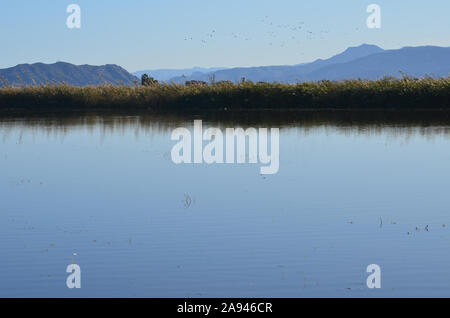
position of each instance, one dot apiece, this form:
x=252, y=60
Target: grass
x=388, y=93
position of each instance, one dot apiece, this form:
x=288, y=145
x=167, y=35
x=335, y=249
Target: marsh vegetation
x=388, y=93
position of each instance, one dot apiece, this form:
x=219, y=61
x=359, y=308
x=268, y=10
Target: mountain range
x=78, y=75
x=165, y=75
x=364, y=61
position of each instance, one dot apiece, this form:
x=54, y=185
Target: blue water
x=141, y=226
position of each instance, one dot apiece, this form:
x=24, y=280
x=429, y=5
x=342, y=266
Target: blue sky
x=138, y=34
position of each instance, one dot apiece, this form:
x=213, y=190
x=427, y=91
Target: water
x=351, y=191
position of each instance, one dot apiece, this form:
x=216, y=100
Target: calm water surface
x=348, y=194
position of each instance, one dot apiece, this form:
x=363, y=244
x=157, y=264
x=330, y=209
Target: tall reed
x=387, y=93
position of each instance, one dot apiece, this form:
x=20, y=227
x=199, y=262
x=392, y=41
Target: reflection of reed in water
x=393, y=123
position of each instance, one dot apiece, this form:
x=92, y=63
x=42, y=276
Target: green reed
x=388, y=93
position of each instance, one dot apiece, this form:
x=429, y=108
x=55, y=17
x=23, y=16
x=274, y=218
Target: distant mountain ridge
x=412, y=61
x=77, y=75
x=164, y=75
x=284, y=73
x=364, y=61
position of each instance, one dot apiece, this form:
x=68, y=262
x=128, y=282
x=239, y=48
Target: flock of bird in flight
x=296, y=32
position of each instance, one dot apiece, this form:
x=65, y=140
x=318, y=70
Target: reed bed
x=388, y=93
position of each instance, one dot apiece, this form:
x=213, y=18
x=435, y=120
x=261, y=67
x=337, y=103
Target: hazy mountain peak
x=412, y=61
x=365, y=46
x=355, y=52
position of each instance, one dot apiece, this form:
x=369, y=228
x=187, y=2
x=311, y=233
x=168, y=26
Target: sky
x=155, y=34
